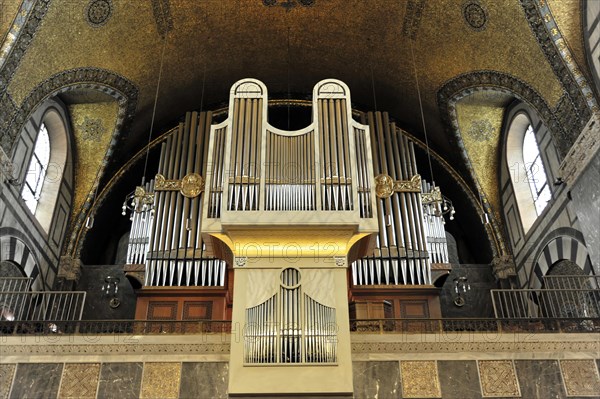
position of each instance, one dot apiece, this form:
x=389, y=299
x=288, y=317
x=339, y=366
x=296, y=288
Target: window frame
x=519, y=175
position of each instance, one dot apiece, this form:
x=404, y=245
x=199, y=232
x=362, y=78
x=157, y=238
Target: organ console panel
x=276, y=230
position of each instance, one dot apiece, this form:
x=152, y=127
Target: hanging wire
x=160, y=70
x=422, y=113
x=288, y=78
x=373, y=87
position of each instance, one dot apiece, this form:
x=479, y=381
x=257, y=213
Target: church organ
x=267, y=226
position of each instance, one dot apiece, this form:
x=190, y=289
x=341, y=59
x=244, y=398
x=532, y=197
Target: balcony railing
x=541, y=325
x=371, y=326
x=103, y=327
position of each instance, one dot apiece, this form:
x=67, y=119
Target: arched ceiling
x=290, y=45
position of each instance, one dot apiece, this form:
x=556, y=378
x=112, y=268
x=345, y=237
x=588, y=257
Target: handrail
x=368, y=326
x=542, y=325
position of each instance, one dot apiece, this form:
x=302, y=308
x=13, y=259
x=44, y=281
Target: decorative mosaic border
x=124, y=91
x=559, y=57
x=113, y=349
x=460, y=347
x=463, y=85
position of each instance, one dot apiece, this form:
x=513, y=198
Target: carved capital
x=69, y=268
x=503, y=267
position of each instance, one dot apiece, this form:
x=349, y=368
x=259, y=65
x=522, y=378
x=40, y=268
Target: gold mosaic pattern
x=161, y=380
x=93, y=126
x=567, y=15
x=8, y=12
x=79, y=381
x=7, y=372
x=480, y=127
x=580, y=377
x=498, y=379
x=367, y=34
x=420, y=379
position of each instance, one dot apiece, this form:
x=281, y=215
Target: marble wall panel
x=459, y=379
x=376, y=379
x=161, y=380
x=79, y=381
x=120, y=380
x=540, y=379
x=36, y=381
x=204, y=380
x=420, y=379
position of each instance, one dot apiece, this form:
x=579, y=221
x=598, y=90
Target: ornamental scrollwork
x=190, y=186
x=385, y=186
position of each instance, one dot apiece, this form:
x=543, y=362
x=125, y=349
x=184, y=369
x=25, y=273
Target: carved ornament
x=435, y=196
x=190, y=186
x=385, y=186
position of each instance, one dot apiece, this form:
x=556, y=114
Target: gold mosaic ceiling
x=291, y=48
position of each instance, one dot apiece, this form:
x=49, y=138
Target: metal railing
x=546, y=303
x=542, y=325
x=576, y=282
x=42, y=305
x=15, y=284
x=110, y=327
x=370, y=326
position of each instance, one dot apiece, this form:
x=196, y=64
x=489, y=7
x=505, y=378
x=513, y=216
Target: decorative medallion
x=475, y=15
x=581, y=377
x=91, y=129
x=498, y=378
x=98, y=12
x=420, y=379
x=481, y=130
x=288, y=4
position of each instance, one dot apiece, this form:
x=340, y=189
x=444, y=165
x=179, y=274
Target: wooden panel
x=414, y=309
x=162, y=311
x=197, y=310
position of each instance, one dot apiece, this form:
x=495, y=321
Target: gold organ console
x=277, y=230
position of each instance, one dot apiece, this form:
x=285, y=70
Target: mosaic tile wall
x=461, y=379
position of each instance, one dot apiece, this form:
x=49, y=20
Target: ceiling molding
x=574, y=110
x=19, y=47
x=118, y=87
x=463, y=85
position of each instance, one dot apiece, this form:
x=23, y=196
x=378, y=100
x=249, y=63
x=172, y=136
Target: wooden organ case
x=278, y=231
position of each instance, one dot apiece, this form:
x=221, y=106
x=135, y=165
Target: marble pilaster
x=204, y=380
x=376, y=379
x=540, y=379
x=459, y=379
x=120, y=380
x=36, y=381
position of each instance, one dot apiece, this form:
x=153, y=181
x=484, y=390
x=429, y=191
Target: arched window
x=44, y=175
x=526, y=168
x=534, y=169
x=36, y=173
